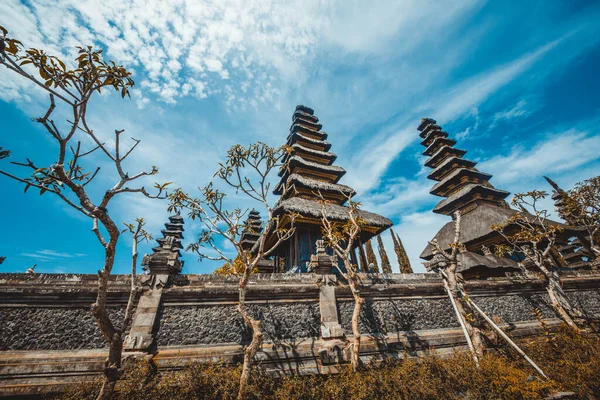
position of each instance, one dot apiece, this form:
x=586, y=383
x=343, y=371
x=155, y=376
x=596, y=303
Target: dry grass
x=572, y=361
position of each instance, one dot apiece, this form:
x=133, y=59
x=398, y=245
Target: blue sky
x=515, y=82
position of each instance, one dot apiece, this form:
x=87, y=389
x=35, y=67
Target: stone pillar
x=332, y=334
x=140, y=337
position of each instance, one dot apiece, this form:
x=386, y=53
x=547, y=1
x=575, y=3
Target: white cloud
x=519, y=110
x=554, y=155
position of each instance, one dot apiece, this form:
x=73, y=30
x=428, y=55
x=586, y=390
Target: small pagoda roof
x=176, y=243
x=294, y=137
x=312, y=208
x=305, y=109
x=314, y=185
x=450, y=204
x=442, y=187
x=448, y=165
x=432, y=136
x=295, y=161
x=441, y=154
x=429, y=128
x=425, y=122
x=306, y=152
x=436, y=143
x=302, y=114
x=307, y=131
x=306, y=123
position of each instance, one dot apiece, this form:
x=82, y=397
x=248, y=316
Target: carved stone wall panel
x=52, y=328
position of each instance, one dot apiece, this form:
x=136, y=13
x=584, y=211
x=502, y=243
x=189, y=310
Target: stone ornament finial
x=31, y=270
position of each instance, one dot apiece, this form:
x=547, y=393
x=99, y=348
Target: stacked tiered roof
x=574, y=253
x=252, y=230
x=308, y=173
x=306, y=178
x=166, y=256
x=458, y=180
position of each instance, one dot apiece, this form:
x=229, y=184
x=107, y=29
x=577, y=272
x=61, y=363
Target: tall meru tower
x=306, y=172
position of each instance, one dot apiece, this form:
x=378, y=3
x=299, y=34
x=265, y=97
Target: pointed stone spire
x=371, y=259
x=459, y=181
x=403, y=260
x=165, y=259
x=386, y=267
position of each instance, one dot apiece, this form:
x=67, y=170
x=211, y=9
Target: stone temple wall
x=47, y=332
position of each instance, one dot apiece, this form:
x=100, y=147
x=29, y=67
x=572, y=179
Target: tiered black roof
x=252, y=230
x=309, y=170
x=458, y=180
x=165, y=257
x=574, y=253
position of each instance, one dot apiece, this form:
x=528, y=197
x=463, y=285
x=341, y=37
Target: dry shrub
x=572, y=361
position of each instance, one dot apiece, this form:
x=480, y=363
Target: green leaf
x=4, y=31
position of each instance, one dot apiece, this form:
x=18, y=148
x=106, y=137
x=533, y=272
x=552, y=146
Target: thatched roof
x=432, y=136
x=429, y=128
x=295, y=136
x=449, y=204
x=299, y=161
x=455, y=176
x=469, y=260
x=447, y=164
x=438, y=141
x=299, y=149
x=441, y=154
x=304, y=127
x=313, y=126
x=475, y=227
x=312, y=208
x=302, y=114
x=314, y=185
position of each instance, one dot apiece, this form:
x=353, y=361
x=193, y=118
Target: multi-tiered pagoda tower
x=307, y=174
x=165, y=259
x=467, y=190
x=252, y=230
x=574, y=253
x=459, y=182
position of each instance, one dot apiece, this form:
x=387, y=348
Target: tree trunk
x=250, y=351
x=112, y=367
x=559, y=308
x=551, y=286
x=474, y=333
x=358, y=302
x=112, y=335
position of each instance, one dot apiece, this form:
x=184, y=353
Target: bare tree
x=66, y=177
x=341, y=236
x=245, y=170
x=138, y=235
x=581, y=208
x=531, y=234
x=447, y=263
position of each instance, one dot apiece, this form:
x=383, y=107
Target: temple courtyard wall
x=49, y=338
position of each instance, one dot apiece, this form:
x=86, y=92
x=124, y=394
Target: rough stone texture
x=215, y=324
x=511, y=308
x=388, y=316
x=587, y=300
x=49, y=328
